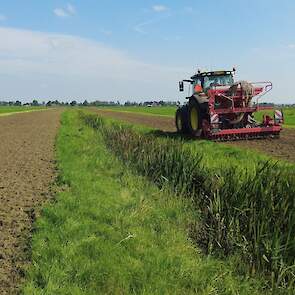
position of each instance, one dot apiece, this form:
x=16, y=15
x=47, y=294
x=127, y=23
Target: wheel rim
x=179, y=122
x=194, y=119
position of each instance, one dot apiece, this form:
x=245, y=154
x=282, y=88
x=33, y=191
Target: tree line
x=96, y=103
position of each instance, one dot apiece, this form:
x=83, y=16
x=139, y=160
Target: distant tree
x=85, y=103
x=73, y=103
x=11, y=103
x=18, y=103
x=35, y=103
x=49, y=103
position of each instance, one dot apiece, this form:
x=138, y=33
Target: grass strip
x=112, y=232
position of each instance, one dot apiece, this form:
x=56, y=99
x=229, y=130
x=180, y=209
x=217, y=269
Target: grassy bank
x=245, y=208
x=113, y=232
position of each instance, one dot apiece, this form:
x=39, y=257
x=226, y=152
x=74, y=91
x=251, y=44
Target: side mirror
x=181, y=88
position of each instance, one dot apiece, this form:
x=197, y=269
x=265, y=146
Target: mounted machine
x=222, y=109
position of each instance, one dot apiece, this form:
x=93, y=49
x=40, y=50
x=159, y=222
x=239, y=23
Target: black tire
x=195, y=117
x=181, y=121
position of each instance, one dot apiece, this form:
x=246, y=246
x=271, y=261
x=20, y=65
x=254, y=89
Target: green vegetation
x=289, y=114
x=15, y=109
x=246, y=210
x=111, y=232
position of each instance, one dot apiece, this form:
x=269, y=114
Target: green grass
x=289, y=113
x=246, y=208
x=112, y=232
x=6, y=110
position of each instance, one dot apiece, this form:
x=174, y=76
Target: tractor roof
x=211, y=73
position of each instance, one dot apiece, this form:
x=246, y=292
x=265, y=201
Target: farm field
x=8, y=110
x=138, y=211
x=281, y=149
x=170, y=112
x=26, y=172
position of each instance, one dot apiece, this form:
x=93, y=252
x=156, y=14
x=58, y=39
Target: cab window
x=211, y=81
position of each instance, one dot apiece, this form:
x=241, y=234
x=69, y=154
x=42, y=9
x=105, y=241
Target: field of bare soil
x=27, y=169
x=283, y=148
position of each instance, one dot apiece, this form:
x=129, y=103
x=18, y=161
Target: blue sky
x=140, y=49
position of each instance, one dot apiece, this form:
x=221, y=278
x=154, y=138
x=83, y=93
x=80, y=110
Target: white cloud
x=73, y=67
x=159, y=8
x=49, y=66
x=291, y=46
x=69, y=10
x=2, y=18
x=60, y=12
x=139, y=28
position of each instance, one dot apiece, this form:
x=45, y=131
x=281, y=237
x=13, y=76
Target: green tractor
x=189, y=117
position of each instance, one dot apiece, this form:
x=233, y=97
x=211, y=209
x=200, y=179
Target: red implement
x=222, y=109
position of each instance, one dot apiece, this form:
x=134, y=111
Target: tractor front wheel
x=194, y=118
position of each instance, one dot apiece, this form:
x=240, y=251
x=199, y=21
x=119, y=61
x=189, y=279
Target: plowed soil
x=27, y=170
x=282, y=148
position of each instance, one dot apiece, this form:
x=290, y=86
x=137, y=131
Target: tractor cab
x=204, y=81
x=208, y=80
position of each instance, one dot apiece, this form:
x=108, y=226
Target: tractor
x=221, y=109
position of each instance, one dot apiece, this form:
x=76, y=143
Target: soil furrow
x=27, y=170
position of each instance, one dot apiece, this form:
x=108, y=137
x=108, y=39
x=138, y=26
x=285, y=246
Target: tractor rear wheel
x=194, y=118
x=181, y=121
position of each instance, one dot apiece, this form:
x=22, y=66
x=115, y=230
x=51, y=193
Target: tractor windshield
x=219, y=80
